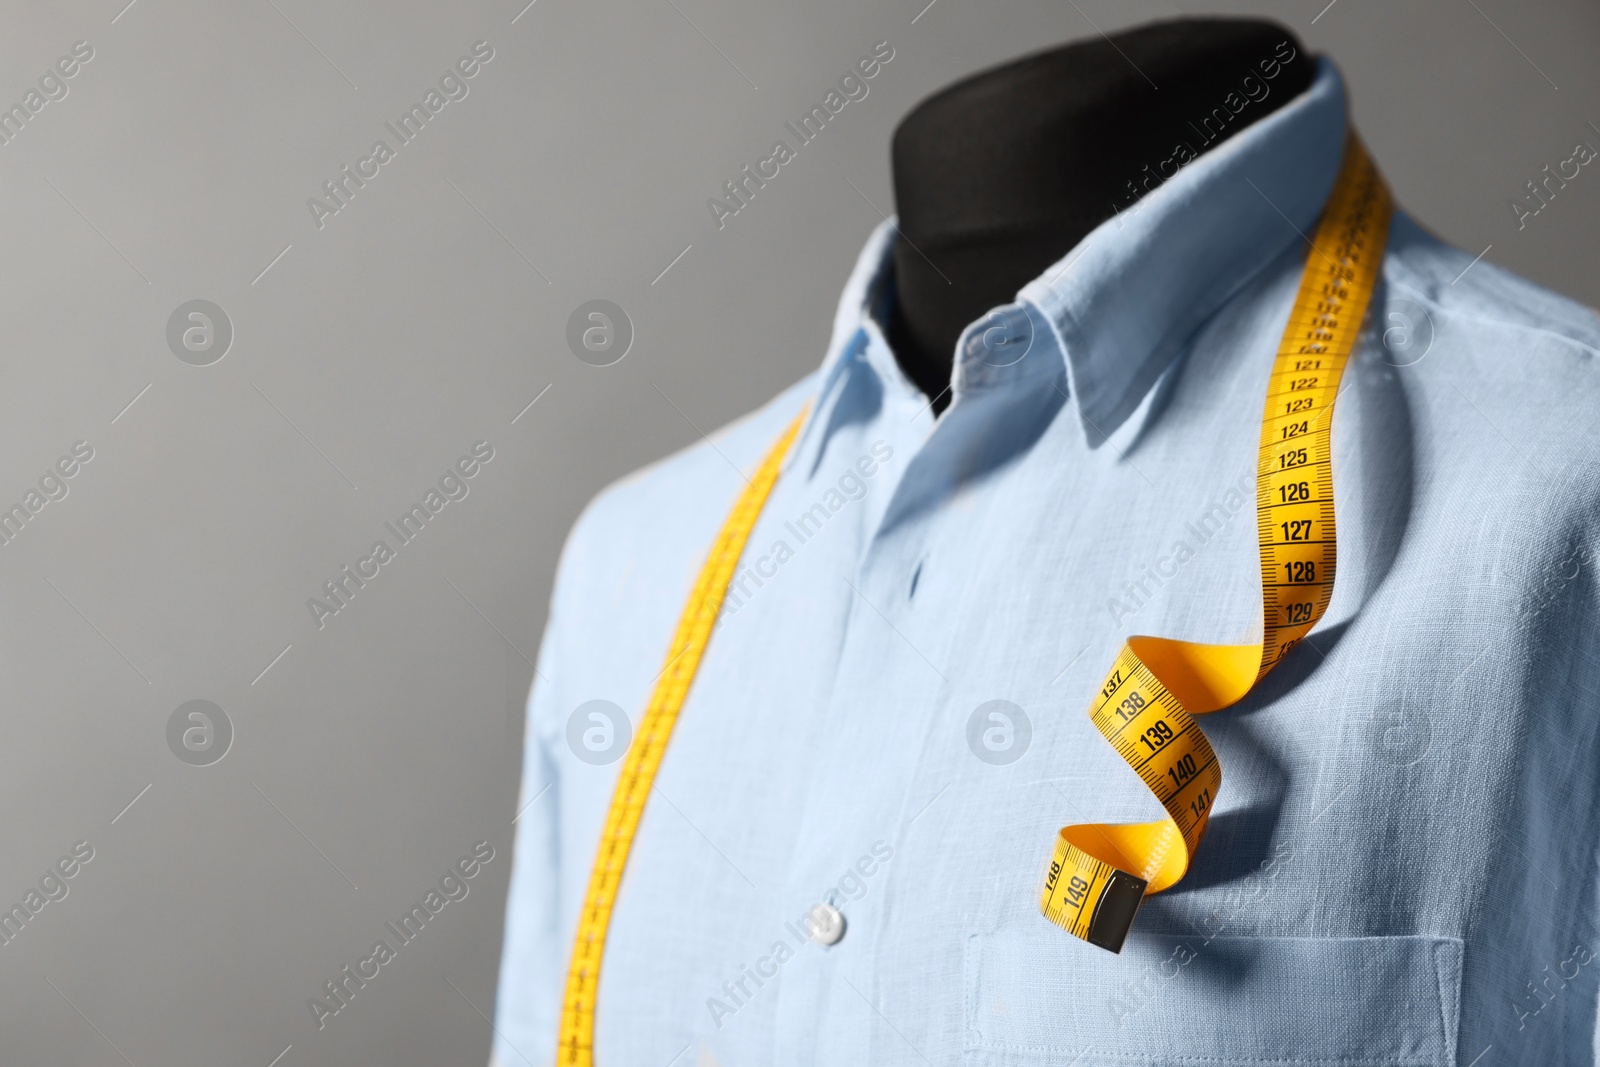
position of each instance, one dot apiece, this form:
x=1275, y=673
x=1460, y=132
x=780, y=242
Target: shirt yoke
x=1418, y=261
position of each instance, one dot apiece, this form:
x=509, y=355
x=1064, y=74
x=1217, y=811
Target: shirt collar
x=1125, y=301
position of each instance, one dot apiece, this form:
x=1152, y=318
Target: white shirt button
x=827, y=924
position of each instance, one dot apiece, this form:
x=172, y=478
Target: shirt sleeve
x=531, y=962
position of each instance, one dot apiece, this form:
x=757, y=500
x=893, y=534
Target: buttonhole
x=915, y=575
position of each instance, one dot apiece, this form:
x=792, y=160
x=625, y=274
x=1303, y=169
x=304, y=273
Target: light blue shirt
x=1401, y=866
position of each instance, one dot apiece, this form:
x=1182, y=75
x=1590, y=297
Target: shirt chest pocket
x=1036, y=997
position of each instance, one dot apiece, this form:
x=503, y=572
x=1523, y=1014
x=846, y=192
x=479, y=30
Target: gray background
x=372, y=353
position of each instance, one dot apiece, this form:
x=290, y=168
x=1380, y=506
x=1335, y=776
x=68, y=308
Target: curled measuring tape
x=1146, y=706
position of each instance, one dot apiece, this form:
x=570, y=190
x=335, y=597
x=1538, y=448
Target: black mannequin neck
x=1000, y=175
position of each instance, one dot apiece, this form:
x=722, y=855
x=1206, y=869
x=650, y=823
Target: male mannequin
x=888, y=727
x=1080, y=131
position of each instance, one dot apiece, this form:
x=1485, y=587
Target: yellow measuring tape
x=1146, y=706
x=644, y=754
x=1100, y=872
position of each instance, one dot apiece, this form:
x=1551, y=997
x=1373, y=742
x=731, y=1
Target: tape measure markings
x=1298, y=544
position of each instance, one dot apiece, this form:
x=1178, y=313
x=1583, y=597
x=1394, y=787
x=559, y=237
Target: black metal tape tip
x=1113, y=914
